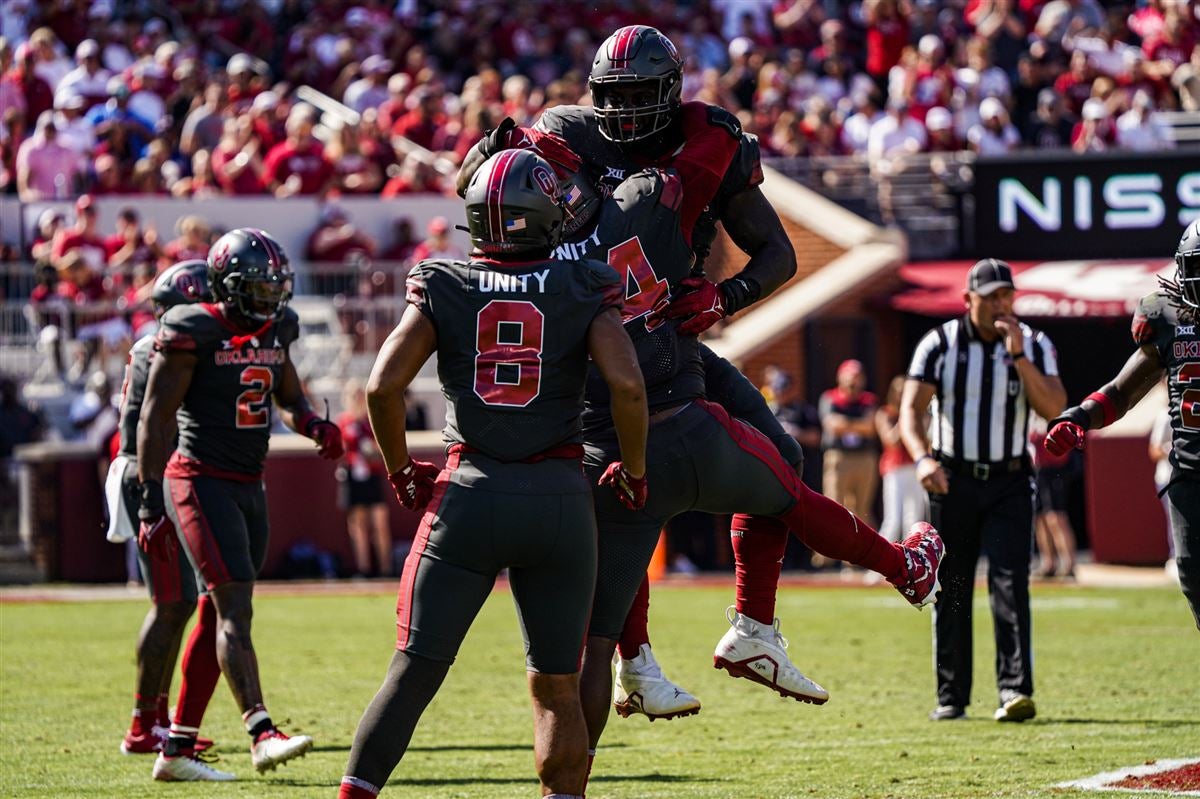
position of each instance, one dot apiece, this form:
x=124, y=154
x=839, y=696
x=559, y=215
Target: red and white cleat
x=758, y=653
x=273, y=748
x=641, y=687
x=144, y=743
x=923, y=552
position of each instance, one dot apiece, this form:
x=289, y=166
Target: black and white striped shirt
x=980, y=411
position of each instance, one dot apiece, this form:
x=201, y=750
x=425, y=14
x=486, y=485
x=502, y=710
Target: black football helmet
x=514, y=204
x=248, y=270
x=642, y=57
x=580, y=202
x=185, y=282
x=1187, y=265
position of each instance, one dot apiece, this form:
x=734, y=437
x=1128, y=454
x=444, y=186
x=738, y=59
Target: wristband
x=739, y=292
x=152, y=505
x=1107, y=408
x=1076, y=415
x=923, y=457
x=1017, y=356
x=305, y=422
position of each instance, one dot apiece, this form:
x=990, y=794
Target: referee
x=984, y=372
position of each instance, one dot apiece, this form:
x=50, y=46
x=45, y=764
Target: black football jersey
x=638, y=234
x=512, y=347
x=1156, y=322
x=136, y=374
x=225, y=419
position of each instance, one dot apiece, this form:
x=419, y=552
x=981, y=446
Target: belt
x=570, y=451
x=983, y=470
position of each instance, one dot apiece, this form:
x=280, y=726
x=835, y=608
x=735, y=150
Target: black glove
x=497, y=138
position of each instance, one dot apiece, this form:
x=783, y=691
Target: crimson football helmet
x=248, y=270
x=185, y=282
x=514, y=204
x=1187, y=265
x=636, y=82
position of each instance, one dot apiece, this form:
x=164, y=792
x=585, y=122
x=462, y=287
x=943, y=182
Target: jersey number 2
x=508, y=353
x=254, y=404
x=643, y=287
x=1189, y=400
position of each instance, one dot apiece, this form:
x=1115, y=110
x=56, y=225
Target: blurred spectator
x=896, y=133
x=999, y=22
x=136, y=301
x=903, y=496
x=336, y=240
x=1059, y=17
x=132, y=245
x=94, y=414
x=50, y=221
x=237, y=161
x=18, y=425
x=51, y=63
x=298, y=164
x=125, y=134
x=423, y=120
x=931, y=81
x=49, y=314
x=354, y=172
x=438, y=244
x=97, y=328
x=994, y=135
x=83, y=238
x=1075, y=85
x=800, y=419
x=26, y=91
x=1137, y=130
x=1095, y=132
x=415, y=176
x=108, y=177
x=887, y=35
x=940, y=125
x=371, y=90
x=90, y=79
x=403, y=241
x=1048, y=129
x=74, y=129
x=203, y=126
x=361, y=486
x=195, y=238
x=46, y=169
x=203, y=180
x=848, y=421
x=857, y=127
x=145, y=99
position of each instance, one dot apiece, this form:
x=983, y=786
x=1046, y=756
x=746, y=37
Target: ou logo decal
x=546, y=181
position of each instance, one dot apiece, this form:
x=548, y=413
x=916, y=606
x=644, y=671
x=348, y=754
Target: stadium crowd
x=105, y=96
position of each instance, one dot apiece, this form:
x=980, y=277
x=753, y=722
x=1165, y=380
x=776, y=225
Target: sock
x=181, y=740
x=758, y=546
x=635, y=633
x=829, y=529
x=587, y=775
x=201, y=671
x=163, y=713
x=257, y=721
x=140, y=722
x=354, y=788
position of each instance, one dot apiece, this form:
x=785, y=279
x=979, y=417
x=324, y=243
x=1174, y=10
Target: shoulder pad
x=1153, y=311
x=187, y=328
x=288, y=326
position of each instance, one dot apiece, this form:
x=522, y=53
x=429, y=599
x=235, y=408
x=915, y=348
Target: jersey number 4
x=644, y=289
x=508, y=353
x=254, y=404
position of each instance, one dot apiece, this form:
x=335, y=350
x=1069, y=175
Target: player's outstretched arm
x=613, y=353
x=1101, y=408
x=170, y=376
x=296, y=414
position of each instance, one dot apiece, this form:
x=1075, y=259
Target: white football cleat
x=185, y=768
x=274, y=748
x=757, y=652
x=642, y=688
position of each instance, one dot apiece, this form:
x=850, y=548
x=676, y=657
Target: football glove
x=701, y=307
x=551, y=146
x=1063, y=436
x=631, y=491
x=413, y=483
x=156, y=534
x=328, y=438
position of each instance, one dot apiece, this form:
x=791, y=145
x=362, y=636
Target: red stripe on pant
x=165, y=582
x=197, y=533
x=758, y=445
x=408, y=578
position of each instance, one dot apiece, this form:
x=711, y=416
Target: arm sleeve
x=927, y=358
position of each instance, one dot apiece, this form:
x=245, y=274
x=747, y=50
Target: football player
x=1164, y=329
x=170, y=581
x=513, y=329
x=217, y=369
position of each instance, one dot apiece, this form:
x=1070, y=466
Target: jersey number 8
x=508, y=353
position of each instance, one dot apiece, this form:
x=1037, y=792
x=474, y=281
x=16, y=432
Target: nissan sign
x=1064, y=205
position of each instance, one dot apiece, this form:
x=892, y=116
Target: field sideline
x=1116, y=685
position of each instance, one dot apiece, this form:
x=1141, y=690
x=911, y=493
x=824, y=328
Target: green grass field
x=1117, y=684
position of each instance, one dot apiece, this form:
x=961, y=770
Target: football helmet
x=248, y=270
x=185, y=282
x=514, y=204
x=1187, y=265
x=580, y=202
x=636, y=81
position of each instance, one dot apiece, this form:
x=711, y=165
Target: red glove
x=703, y=304
x=551, y=146
x=631, y=491
x=414, y=483
x=328, y=438
x=1063, y=436
x=156, y=538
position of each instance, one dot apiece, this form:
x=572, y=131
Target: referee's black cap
x=988, y=275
